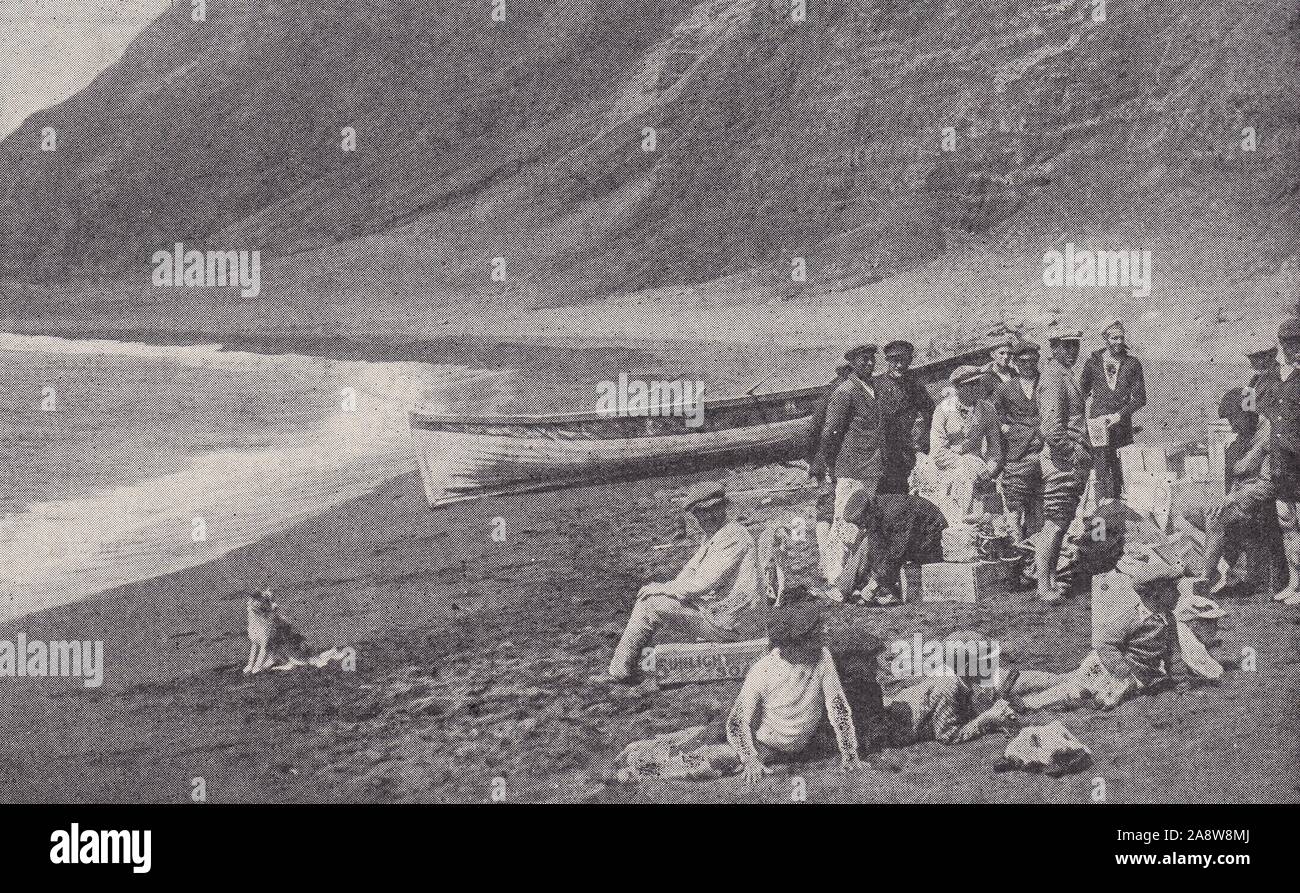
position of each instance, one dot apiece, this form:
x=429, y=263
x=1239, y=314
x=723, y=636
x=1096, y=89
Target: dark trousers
x=1105, y=461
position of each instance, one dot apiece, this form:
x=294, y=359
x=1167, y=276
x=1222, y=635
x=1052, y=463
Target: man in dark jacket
x=1112, y=380
x=907, y=429
x=1016, y=402
x=825, y=505
x=852, y=445
x=893, y=529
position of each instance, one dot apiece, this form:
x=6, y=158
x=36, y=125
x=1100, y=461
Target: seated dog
x=275, y=644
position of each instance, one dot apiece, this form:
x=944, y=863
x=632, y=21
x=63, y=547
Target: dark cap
x=799, y=623
x=1232, y=406
x=1289, y=330
x=1025, y=348
x=899, y=346
x=860, y=350
x=704, y=495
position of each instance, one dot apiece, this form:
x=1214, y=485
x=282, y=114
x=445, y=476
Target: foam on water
x=299, y=456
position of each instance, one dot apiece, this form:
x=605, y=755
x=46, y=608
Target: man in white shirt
x=780, y=704
x=715, y=598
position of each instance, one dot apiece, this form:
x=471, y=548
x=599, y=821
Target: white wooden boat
x=467, y=457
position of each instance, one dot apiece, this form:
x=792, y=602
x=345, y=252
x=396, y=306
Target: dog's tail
x=328, y=657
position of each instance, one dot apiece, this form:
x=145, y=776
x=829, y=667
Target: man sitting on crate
x=965, y=442
x=1246, y=521
x=717, y=597
x=893, y=530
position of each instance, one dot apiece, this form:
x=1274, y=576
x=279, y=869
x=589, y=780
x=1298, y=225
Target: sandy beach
x=473, y=655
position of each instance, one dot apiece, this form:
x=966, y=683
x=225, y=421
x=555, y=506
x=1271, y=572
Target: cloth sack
x=1049, y=749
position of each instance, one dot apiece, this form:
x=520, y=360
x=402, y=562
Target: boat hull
x=463, y=457
x=455, y=467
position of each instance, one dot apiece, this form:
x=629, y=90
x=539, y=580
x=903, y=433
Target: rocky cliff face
x=823, y=139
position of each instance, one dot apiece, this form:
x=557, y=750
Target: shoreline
x=473, y=657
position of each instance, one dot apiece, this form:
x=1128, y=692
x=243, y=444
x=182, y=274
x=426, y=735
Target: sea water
x=119, y=462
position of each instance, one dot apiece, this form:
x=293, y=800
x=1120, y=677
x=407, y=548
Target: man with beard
x=1113, y=380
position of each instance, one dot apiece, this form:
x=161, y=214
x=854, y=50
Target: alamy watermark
x=972, y=659
x=635, y=398
x=38, y=659
x=1079, y=268
x=179, y=268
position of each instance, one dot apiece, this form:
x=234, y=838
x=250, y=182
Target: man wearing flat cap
x=1113, y=381
x=1283, y=411
x=1001, y=365
x=1248, y=515
x=907, y=429
x=715, y=598
x=1132, y=638
x=965, y=440
x=786, y=694
x=1066, y=458
x=852, y=443
x=1016, y=402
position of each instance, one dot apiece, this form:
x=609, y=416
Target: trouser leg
x=1049, y=550
x=842, y=534
x=1290, y=524
x=651, y=614
x=1109, y=480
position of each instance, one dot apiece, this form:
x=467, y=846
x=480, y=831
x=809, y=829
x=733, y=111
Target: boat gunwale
x=715, y=404
x=562, y=418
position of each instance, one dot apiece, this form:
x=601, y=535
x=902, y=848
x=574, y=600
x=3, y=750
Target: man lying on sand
x=950, y=709
x=717, y=597
x=1132, y=640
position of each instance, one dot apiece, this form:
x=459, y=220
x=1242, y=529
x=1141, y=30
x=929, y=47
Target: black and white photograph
x=611, y=402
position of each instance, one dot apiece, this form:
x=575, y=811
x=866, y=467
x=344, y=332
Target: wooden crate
x=1151, y=494
x=1139, y=457
x=959, y=543
x=948, y=581
x=909, y=580
x=682, y=663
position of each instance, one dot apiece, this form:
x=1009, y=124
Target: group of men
x=1009, y=422
x=812, y=691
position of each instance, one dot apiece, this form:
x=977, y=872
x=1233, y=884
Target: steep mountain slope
x=821, y=139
